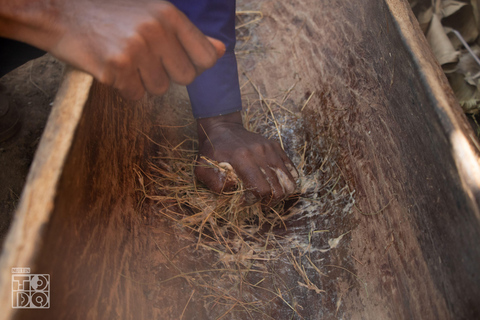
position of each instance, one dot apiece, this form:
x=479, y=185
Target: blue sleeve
x=216, y=91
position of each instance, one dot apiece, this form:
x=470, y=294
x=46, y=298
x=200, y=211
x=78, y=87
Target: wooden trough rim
x=462, y=140
x=38, y=196
x=36, y=203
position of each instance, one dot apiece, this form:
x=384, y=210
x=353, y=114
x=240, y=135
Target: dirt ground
x=32, y=88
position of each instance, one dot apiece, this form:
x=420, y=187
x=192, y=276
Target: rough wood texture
x=402, y=142
x=33, y=214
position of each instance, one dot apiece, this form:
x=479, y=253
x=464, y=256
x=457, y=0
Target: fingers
x=281, y=173
x=154, y=77
x=263, y=167
x=120, y=75
x=265, y=174
x=191, y=52
x=203, y=51
x=263, y=183
x=285, y=164
x=218, y=177
x=177, y=63
x=219, y=46
x=288, y=186
x=129, y=91
x=271, y=185
x=274, y=186
x=162, y=46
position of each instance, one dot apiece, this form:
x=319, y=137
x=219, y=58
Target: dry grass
x=215, y=217
x=246, y=22
x=252, y=246
x=249, y=249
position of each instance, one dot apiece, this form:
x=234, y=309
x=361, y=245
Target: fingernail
x=219, y=47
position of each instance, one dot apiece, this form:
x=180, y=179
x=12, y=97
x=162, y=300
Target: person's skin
x=255, y=159
x=143, y=45
x=132, y=45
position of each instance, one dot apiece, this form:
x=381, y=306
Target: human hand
x=261, y=164
x=132, y=45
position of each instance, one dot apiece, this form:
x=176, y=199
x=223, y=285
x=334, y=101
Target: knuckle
x=150, y=28
x=201, y=174
x=134, y=42
x=106, y=77
x=153, y=31
x=119, y=62
x=259, y=148
x=274, y=145
x=264, y=191
x=208, y=59
x=243, y=153
x=167, y=11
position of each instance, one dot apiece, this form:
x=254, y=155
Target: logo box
x=30, y=291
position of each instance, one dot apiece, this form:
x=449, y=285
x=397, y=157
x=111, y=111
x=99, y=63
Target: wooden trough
x=376, y=97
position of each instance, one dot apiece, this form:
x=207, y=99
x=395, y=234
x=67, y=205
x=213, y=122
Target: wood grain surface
x=377, y=96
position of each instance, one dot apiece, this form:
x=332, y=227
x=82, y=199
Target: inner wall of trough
x=410, y=248
x=420, y=242
x=91, y=239
x=416, y=236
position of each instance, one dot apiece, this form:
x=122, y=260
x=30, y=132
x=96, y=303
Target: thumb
x=218, y=45
x=214, y=176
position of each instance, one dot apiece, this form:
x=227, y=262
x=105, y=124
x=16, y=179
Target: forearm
x=216, y=91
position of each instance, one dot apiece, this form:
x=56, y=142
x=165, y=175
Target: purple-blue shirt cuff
x=216, y=91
